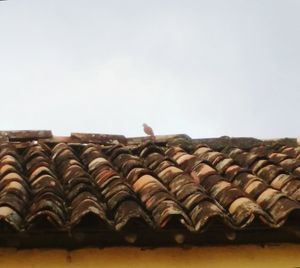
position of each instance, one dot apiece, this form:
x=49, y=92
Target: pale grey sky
x=204, y=68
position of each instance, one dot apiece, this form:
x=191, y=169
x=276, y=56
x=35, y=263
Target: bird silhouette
x=149, y=131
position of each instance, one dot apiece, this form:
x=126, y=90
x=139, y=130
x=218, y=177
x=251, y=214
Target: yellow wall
x=229, y=256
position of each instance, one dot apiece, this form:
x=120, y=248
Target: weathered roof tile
x=174, y=182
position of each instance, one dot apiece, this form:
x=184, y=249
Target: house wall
x=228, y=256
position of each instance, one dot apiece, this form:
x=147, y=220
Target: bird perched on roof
x=149, y=131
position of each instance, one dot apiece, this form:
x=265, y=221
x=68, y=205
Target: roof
x=95, y=189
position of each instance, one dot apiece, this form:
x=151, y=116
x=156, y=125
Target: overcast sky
x=204, y=68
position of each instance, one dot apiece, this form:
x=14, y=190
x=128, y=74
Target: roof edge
x=19, y=136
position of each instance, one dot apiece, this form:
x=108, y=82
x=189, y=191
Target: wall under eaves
x=286, y=255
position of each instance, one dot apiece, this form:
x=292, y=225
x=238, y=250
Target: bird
x=149, y=131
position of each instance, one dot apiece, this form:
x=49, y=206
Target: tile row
x=175, y=185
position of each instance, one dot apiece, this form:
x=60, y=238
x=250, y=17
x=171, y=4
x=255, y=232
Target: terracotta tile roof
x=113, y=184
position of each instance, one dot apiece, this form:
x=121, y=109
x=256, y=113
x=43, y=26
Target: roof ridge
x=81, y=137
